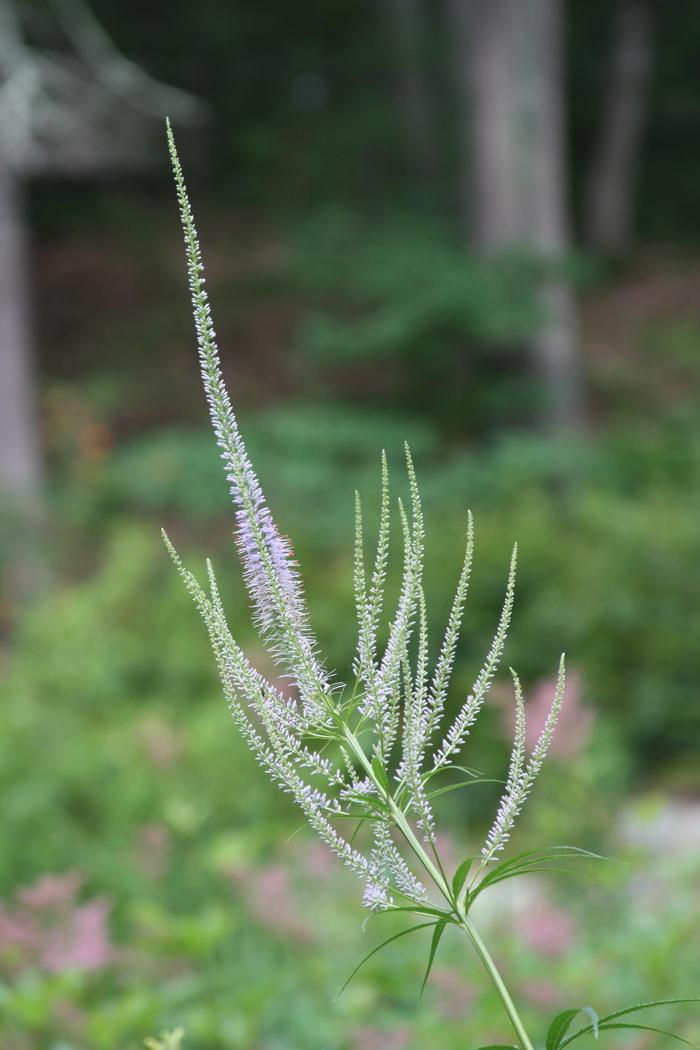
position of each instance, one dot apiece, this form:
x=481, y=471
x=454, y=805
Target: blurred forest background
x=471, y=224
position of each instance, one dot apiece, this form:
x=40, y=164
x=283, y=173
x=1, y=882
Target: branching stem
x=498, y=982
x=446, y=891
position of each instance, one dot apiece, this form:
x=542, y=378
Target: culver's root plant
x=372, y=756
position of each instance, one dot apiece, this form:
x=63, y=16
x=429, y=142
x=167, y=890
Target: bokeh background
x=473, y=225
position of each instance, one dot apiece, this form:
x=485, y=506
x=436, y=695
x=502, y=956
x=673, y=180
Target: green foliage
x=445, y=327
x=303, y=449
x=96, y=676
x=118, y=727
x=166, y=1041
x=109, y=718
x=563, y=1021
x=382, y=727
x=557, y=1035
x=392, y=706
x=626, y=504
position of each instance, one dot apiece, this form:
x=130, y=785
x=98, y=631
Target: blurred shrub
x=445, y=327
x=606, y=530
x=104, y=677
x=311, y=456
x=117, y=762
x=116, y=758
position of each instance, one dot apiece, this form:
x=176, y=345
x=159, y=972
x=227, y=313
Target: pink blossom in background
x=543, y=994
x=454, y=994
x=46, y=927
x=51, y=891
x=316, y=859
x=79, y=942
x=575, y=721
x=547, y=930
x=370, y=1038
x=152, y=849
x=271, y=899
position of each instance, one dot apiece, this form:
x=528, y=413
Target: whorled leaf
x=611, y=1020
x=562, y=1022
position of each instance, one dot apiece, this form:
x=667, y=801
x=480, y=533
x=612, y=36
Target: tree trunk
x=510, y=76
x=406, y=29
x=481, y=31
x=20, y=468
x=543, y=207
x=610, y=196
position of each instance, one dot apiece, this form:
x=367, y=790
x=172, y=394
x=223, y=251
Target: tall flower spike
x=336, y=755
x=368, y=602
x=443, y=669
x=386, y=702
x=521, y=780
x=270, y=572
x=409, y=771
x=459, y=730
x=376, y=589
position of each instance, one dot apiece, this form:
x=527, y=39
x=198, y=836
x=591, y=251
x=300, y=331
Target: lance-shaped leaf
x=562, y=1022
x=612, y=1020
x=389, y=940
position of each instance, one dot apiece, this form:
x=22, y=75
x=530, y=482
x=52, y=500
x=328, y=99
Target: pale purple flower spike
x=366, y=753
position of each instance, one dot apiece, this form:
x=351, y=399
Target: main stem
x=492, y=970
x=479, y=946
x=466, y=924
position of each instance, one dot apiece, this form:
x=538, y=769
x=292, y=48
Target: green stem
x=399, y=818
x=503, y=993
x=441, y=883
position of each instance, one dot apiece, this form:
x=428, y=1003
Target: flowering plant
x=371, y=754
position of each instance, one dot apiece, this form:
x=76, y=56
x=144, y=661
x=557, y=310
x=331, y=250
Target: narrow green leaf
x=559, y=1027
x=531, y=860
x=380, y=774
x=530, y=857
x=395, y=937
x=531, y=869
x=646, y=1006
x=460, y=876
x=550, y=851
x=646, y=1028
x=461, y=784
x=430, y=773
x=361, y=821
x=415, y=909
x=437, y=935
x=604, y=1022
